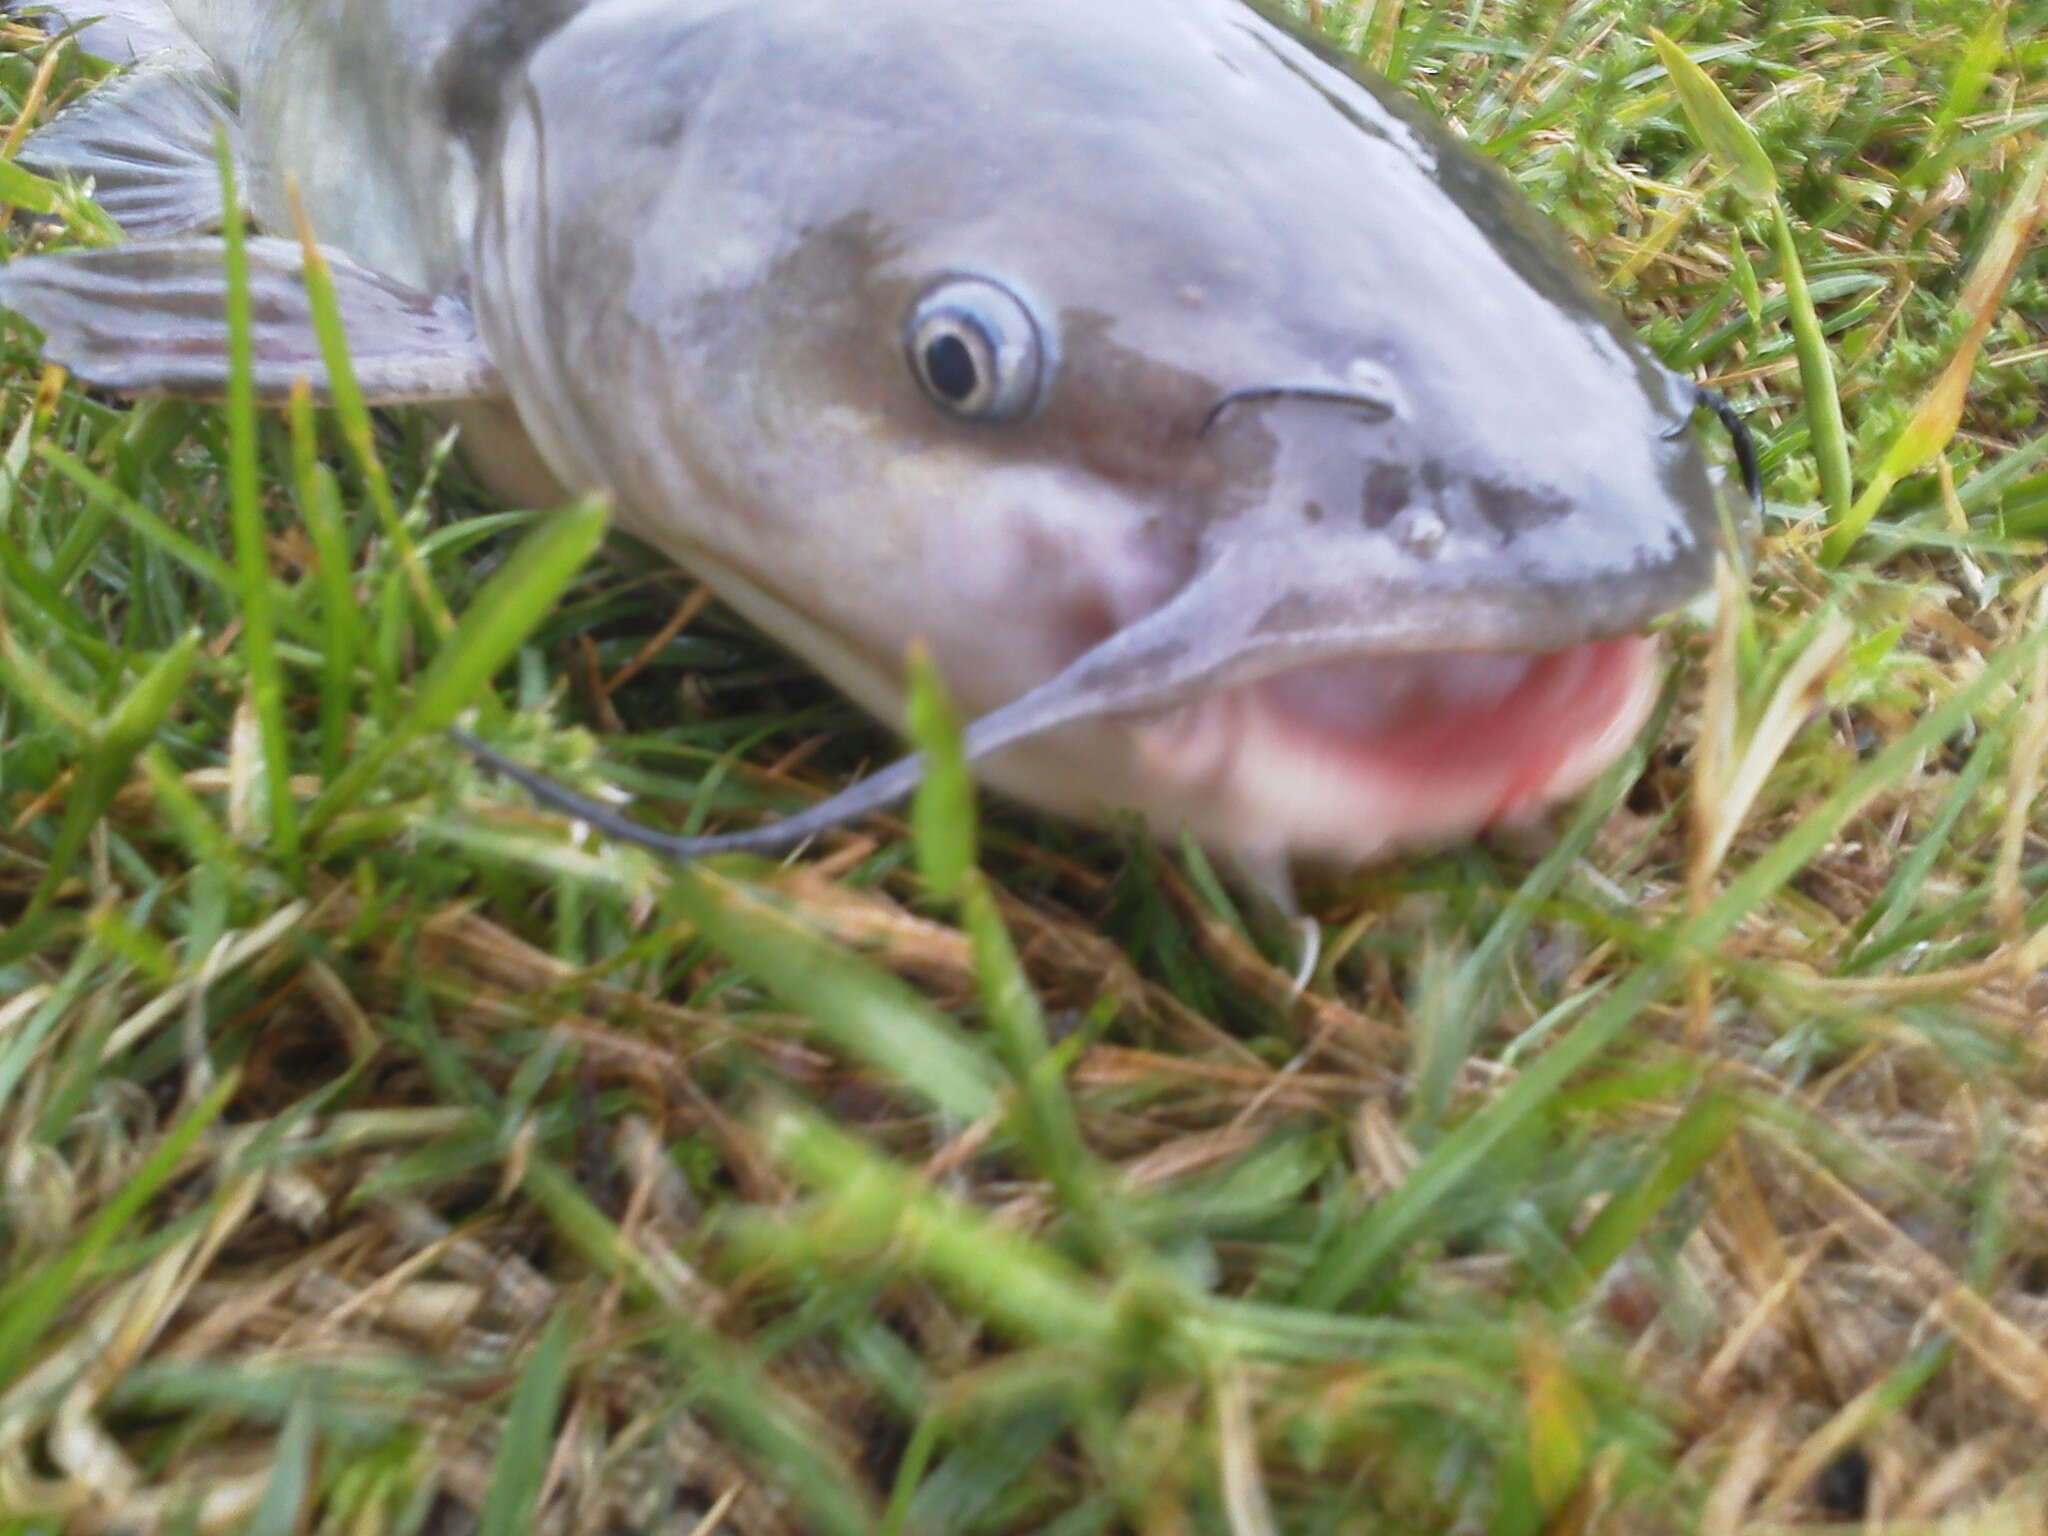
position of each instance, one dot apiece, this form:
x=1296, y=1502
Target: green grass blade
x=29, y=193
x=1727, y=138
x=1895, y=902
x=864, y=1011
x=252, y=545
x=1735, y=150
x=873, y=1208
x=342, y=629
x=511, y=1505
x=24, y=675
x=206, y=841
x=1968, y=79
x=1049, y=1125
x=942, y=814
x=357, y=429
x=1700, y=1133
x=203, y=563
x=1816, y=372
x=1455, y=1011
x=291, y=1475
x=943, y=817
x=1932, y=425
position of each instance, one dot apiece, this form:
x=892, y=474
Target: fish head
x=1245, y=450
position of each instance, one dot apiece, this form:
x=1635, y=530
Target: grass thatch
x=374, y=1157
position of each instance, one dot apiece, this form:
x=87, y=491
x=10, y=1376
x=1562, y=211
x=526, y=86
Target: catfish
x=1248, y=453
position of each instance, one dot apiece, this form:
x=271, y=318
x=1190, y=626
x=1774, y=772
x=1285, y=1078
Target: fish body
x=1247, y=452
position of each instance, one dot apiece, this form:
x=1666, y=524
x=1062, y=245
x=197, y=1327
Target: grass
x=377, y=1157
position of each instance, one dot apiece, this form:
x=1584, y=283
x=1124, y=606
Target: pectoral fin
x=151, y=319
x=147, y=144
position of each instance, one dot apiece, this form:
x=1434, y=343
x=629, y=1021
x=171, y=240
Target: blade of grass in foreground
x=1349, y=1259
x=252, y=546
x=1722, y=131
x=942, y=811
x=1690, y=1145
x=522, y=1458
x=342, y=630
x=291, y=1475
x=870, y=1205
x=354, y=415
x=942, y=816
x=863, y=1010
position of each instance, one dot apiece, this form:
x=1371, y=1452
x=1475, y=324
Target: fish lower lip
x=1352, y=759
x=1456, y=712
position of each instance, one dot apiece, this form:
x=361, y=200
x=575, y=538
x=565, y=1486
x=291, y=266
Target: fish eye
x=976, y=350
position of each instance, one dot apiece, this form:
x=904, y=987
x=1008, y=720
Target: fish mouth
x=1269, y=741
x=1351, y=759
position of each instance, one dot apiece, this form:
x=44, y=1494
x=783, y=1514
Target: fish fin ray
x=147, y=144
x=151, y=319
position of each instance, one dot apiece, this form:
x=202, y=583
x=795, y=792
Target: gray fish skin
x=1330, y=420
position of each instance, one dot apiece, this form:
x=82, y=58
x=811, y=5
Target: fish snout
x=1485, y=539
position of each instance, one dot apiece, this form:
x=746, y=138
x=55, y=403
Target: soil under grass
x=376, y=1156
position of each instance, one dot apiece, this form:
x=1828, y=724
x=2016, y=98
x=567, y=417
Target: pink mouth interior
x=1521, y=725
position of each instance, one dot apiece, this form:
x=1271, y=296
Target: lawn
x=377, y=1155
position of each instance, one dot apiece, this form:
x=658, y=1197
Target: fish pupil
x=949, y=366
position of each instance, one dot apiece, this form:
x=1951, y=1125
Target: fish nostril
x=1313, y=511
x=1370, y=378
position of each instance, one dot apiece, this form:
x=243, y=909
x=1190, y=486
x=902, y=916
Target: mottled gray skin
x=692, y=230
